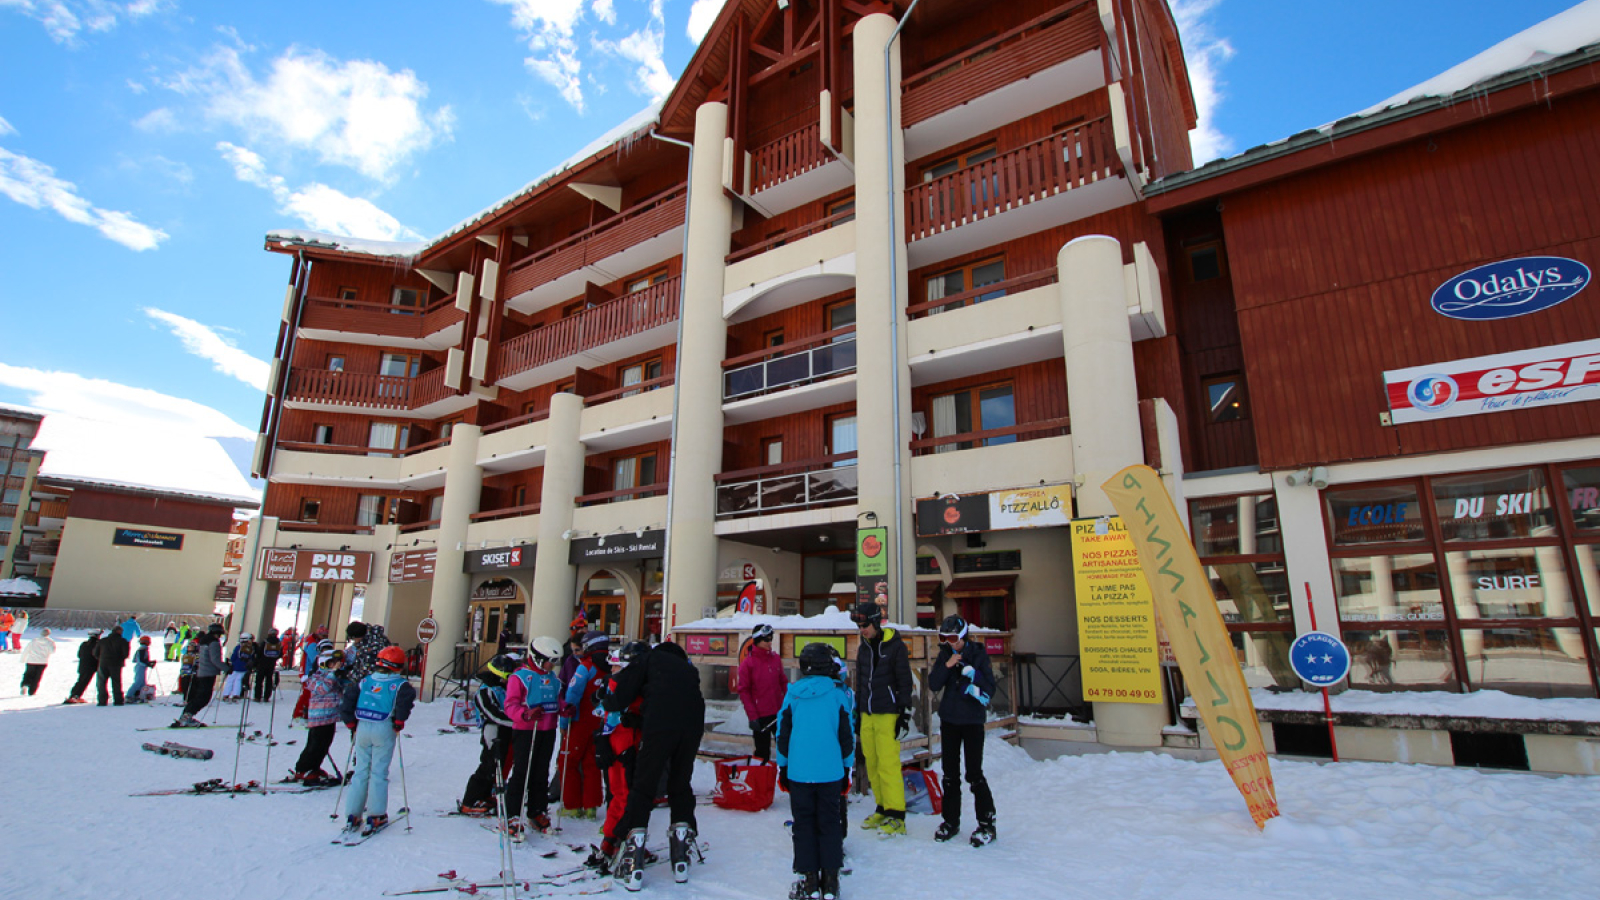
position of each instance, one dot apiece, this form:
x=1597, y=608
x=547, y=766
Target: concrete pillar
x=448, y=599
x=881, y=297
x=697, y=432
x=376, y=602
x=1104, y=403
x=554, y=579
x=254, y=600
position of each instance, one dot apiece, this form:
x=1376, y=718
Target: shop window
x=310, y=509
x=972, y=276
x=976, y=410
x=1225, y=398
x=322, y=434
x=605, y=603
x=1493, y=506
x=1374, y=515
x=1582, y=488
x=1234, y=526
x=1240, y=545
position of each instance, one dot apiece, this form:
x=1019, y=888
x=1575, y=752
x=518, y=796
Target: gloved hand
x=399, y=726
x=783, y=778
x=902, y=726
x=351, y=726
x=969, y=672
x=568, y=711
x=752, y=723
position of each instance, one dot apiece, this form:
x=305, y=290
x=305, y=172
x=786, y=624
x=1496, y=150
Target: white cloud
x=701, y=17
x=204, y=341
x=605, y=11
x=109, y=401
x=355, y=113
x=161, y=121
x=547, y=26
x=1204, y=53
x=5, y=127
x=63, y=20
x=645, y=48
x=35, y=185
x=317, y=206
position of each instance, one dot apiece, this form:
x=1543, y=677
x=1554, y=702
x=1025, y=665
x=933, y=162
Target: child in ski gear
x=19, y=625
x=326, y=690
x=87, y=664
x=239, y=663
x=376, y=709
x=533, y=705
x=141, y=664
x=816, y=746
x=883, y=694
x=962, y=672
x=495, y=737
x=673, y=721
x=112, y=654
x=615, y=748
x=362, y=647
x=187, y=656
x=581, y=792
x=35, y=657
x=762, y=685
x=208, y=666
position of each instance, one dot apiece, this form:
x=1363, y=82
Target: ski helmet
x=324, y=647
x=330, y=658
x=216, y=628
x=545, y=648
x=500, y=668
x=145, y=639
x=632, y=651
x=391, y=657
x=762, y=632
x=867, y=613
x=816, y=659
x=595, y=640
x=953, y=626
x=246, y=636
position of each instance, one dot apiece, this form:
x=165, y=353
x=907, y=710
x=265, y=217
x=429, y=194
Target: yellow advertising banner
x=1116, y=621
x=1199, y=639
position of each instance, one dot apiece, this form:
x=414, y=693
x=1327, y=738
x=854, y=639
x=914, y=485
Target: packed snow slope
x=1108, y=826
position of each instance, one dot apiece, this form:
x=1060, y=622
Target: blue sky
x=146, y=146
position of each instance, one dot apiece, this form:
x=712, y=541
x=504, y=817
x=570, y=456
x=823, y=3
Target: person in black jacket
x=112, y=654
x=672, y=721
x=883, y=696
x=268, y=654
x=87, y=664
x=962, y=671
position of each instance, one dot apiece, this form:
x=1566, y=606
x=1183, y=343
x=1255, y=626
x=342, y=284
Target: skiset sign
x=1543, y=376
x=1510, y=288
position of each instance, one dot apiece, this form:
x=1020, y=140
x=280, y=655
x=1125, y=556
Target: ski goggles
x=950, y=639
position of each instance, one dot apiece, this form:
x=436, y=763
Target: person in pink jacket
x=533, y=704
x=762, y=686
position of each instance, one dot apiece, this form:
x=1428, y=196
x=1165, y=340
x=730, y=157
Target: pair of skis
x=176, y=725
x=581, y=879
x=352, y=836
x=172, y=748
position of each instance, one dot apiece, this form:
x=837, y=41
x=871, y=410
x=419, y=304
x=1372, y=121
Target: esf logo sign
x=1433, y=392
x=1509, y=288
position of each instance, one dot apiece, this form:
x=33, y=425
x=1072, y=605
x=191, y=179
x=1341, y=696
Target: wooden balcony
x=405, y=323
x=52, y=509
x=993, y=437
x=1069, y=159
x=619, y=496
x=1009, y=58
x=789, y=156
x=324, y=527
x=793, y=234
x=44, y=549
x=790, y=365
x=509, y=512
x=366, y=390
x=357, y=450
x=982, y=293
x=8, y=510
x=786, y=487
x=625, y=316
x=657, y=215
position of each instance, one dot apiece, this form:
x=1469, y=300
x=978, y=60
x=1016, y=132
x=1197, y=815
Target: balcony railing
x=357, y=450
x=510, y=512
x=627, y=315
x=992, y=437
x=525, y=418
x=793, y=234
x=1028, y=49
x=8, y=510
x=419, y=526
x=380, y=318
x=638, y=223
x=628, y=390
x=793, y=154
x=1065, y=160
x=52, y=509
x=824, y=481
x=796, y=363
x=366, y=389
x=991, y=291
x=324, y=528
x=44, y=548
x=618, y=496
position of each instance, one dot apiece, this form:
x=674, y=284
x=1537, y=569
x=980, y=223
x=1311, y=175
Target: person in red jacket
x=580, y=785
x=762, y=687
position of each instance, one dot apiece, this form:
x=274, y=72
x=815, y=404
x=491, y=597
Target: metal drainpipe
x=891, y=103
x=677, y=376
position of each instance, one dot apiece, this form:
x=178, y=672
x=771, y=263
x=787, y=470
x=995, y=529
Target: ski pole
x=405, y=796
x=508, y=868
x=272, y=719
x=566, y=735
x=349, y=764
x=238, y=739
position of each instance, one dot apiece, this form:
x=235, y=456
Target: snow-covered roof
x=92, y=453
x=18, y=587
x=625, y=132
x=1558, y=35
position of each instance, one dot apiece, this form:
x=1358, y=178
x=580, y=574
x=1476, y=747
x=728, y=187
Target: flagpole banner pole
x=1188, y=612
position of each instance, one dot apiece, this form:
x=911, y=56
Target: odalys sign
x=1198, y=636
x=1510, y=288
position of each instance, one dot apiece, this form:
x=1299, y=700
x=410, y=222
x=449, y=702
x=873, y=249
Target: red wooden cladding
x=804, y=436
x=655, y=216
x=372, y=282
x=793, y=324
x=1025, y=50
x=792, y=154
x=379, y=318
x=153, y=512
x=1065, y=160
x=629, y=315
x=1030, y=431
x=1038, y=390
x=365, y=389
x=1333, y=270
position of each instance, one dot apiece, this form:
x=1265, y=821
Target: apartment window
x=956, y=163
x=631, y=472
x=405, y=299
x=322, y=434
x=841, y=434
x=400, y=365
x=1206, y=260
x=335, y=364
x=979, y=409
x=310, y=509
x=839, y=315
x=519, y=495
x=1241, y=546
x=371, y=509
x=1225, y=398
x=530, y=407
x=387, y=438
x=773, y=338
x=771, y=451
x=645, y=371
x=845, y=208
x=567, y=387
x=644, y=281
x=959, y=280
x=435, y=507
x=347, y=293
x=446, y=429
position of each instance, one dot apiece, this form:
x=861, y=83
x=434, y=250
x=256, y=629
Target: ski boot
x=830, y=885
x=629, y=868
x=600, y=857
x=515, y=831
x=540, y=822
x=985, y=833
x=681, y=838
x=946, y=832
x=806, y=887
x=477, y=810
x=375, y=823
x=893, y=825
x=352, y=824
x=874, y=821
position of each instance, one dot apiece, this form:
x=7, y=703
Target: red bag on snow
x=745, y=783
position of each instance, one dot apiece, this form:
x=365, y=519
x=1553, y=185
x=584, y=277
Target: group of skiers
x=12, y=626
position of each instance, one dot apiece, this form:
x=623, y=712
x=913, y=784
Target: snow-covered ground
x=1119, y=825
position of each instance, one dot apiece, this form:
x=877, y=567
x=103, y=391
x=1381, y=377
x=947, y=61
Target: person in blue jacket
x=816, y=745
x=962, y=671
x=375, y=709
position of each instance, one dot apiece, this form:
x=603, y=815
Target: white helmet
x=545, y=647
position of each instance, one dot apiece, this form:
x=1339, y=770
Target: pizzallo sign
x=1510, y=288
